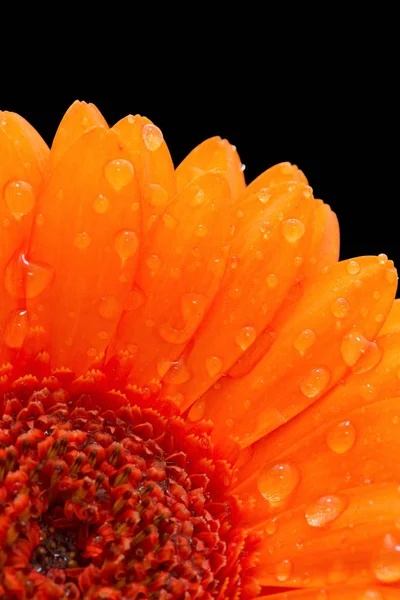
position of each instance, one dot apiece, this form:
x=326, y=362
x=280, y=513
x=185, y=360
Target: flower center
x=102, y=498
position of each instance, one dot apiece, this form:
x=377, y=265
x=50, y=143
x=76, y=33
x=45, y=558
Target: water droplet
x=27, y=279
x=271, y=526
x=201, y=231
x=325, y=510
x=371, y=357
x=109, y=307
x=353, y=347
x=386, y=564
x=264, y=195
x=234, y=261
x=213, y=365
x=163, y=365
x=293, y=230
x=178, y=373
x=376, y=295
x=307, y=191
x=19, y=197
x=6, y=222
x=197, y=411
x=371, y=595
x=82, y=240
x=153, y=262
x=101, y=204
x=192, y=307
x=246, y=337
x=391, y=275
x=379, y=318
x=341, y=437
x=126, y=244
x=169, y=221
x=158, y=195
x=304, y=340
x=382, y=258
x=103, y=335
x=136, y=299
x=277, y=481
x=152, y=137
x=197, y=199
x=272, y=280
x=298, y=261
x=353, y=267
x=340, y=308
x=284, y=570
x=315, y=382
x=16, y=329
x=91, y=351
x=119, y=173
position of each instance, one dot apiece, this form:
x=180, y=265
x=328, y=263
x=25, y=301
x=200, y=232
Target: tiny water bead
x=340, y=437
x=325, y=510
x=213, y=365
x=276, y=482
x=353, y=268
x=201, y=231
x=293, y=230
x=245, y=337
x=126, y=244
x=82, y=240
x=272, y=280
x=153, y=262
x=284, y=570
x=119, y=173
x=197, y=411
x=109, y=307
x=386, y=564
x=315, y=382
x=19, y=197
x=16, y=329
x=340, y=308
x=101, y=204
x=152, y=137
x=304, y=340
x=352, y=348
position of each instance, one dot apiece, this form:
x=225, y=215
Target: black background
x=343, y=139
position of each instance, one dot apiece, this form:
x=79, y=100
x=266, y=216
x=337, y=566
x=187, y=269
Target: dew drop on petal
x=158, y=195
x=284, y=570
x=352, y=348
x=16, y=329
x=152, y=137
x=272, y=280
x=213, y=365
x=92, y=351
x=271, y=526
x=277, y=481
x=324, y=510
x=39, y=220
x=382, y=258
x=27, y=279
x=197, y=410
x=19, y=197
x=119, y=173
x=391, y=276
x=201, y=231
x=293, y=230
x=245, y=337
x=126, y=244
x=264, y=195
x=153, y=262
x=82, y=240
x=341, y=437
x=109, y=307
x=353, y=268
x=386, y=565
x=340, y=308
x=304, y=340
x=379, y=318
x=169, y=221
x=101, y=204
x=315, y=382
x=136, y=299
x=178, y=373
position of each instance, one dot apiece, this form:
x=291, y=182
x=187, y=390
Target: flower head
x=197, y=399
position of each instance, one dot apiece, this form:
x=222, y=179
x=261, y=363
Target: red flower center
x=105, y=499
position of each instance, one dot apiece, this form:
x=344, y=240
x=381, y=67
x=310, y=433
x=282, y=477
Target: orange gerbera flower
x=197, y=400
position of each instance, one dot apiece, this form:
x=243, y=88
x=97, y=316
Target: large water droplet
x=178, y=373
x=353, y=268
x=197, y=411
x=27, y=279
x=315, y=382
x=158, y=195
x=109, y=307
x=293, y=230
x=304, y=340
x=213, y=365
x=16, y=329
x=119, y=173
x=152, y=137
x=82, y=240
x=370, y=358
x=340, y=308
x=101, y=204
x=386, y=564
x=324, y=510
x=245, y=337
x=352, y=348
x=341, y=437
x=276, y=482
x=136, y=298
x=19, y=197
x=284, y=570
x=126, y=244
x=192, y=308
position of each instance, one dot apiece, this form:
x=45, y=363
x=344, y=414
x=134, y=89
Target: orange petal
x=153, y=165
x=271, y=236
x=182, y=262
x=339, y=593
x=83, y=251
x=358, y=526
x=355, y=391
x=326, y=333
x=392, y=323
x=79, y=118
x=23, y=156
x=325, y=242
x=283, y=172
x=213, y=153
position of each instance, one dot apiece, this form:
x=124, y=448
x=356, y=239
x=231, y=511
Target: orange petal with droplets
x=83, y=254
x=392, y=323
x=355, y=391
x=281, y=173
x=325, y=334
x=23, y=158
x=325, y=242
x=181, y=266
x=271, y=236
x=79, y=118
x=357, y=526
x=213, y=153
x=153, y=165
